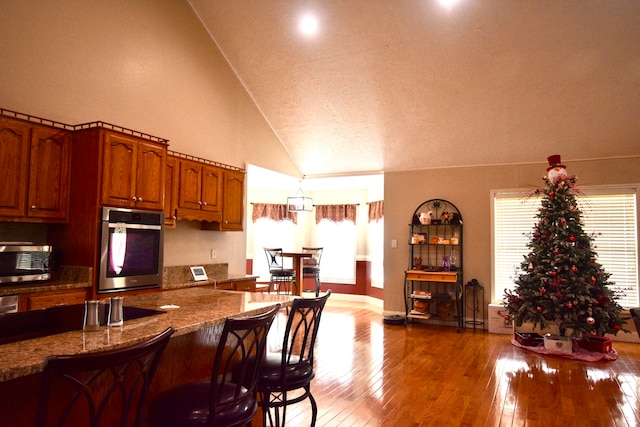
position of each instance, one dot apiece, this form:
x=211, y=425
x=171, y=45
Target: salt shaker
x=91, y=316
x=116, y=317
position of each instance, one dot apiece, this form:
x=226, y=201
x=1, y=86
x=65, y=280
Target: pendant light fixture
x=299, y=202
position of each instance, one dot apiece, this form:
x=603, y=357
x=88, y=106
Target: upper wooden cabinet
x=203, y=190
x=232, y=200
x=36, y=163
x=128, y=170
x=171, y=191
x=134, y=172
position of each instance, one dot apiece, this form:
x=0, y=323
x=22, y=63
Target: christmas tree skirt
x=578, y=352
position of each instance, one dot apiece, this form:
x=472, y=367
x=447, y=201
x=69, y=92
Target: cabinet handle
x=226, y=222
x=204, y=203
x=140, y=199
x=134, y=198
x=200, y=202
x=34, y=207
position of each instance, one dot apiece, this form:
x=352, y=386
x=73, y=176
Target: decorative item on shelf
x=434, y=240
x=446, y=216
x=453, y=259
x=454, y=218
x=425, y=218
x=446, y=310
x=455, y=240
x=417, y=263
x=446, y=263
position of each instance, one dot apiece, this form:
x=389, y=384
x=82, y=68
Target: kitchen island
x=197, y=315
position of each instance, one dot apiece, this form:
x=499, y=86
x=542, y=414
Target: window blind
x=610, y=214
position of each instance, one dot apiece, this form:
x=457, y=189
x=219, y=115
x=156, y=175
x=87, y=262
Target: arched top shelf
x=441, y=212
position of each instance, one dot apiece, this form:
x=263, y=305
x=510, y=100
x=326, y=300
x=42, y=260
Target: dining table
x=298, y=257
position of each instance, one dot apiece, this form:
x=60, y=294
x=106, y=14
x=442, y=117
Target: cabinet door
x=211, y=188
x=37, y=301
x=119, y=163
x=150, y=173
x=232, y=201
x=171, y=191
x=189, y=192
x=49, y=174
x=14, y=164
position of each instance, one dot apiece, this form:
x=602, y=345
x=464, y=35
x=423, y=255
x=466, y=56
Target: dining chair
x=102, y=388
x=221, y=401
x=635, y=315
x=291, y=370
x=280, y=277
x=311, y=266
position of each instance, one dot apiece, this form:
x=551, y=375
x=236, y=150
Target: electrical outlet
x=213, y=253
x=394, y=243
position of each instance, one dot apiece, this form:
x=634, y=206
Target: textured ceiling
x=408, y=84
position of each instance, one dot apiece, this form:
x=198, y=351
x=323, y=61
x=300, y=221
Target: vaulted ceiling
x=408, y=84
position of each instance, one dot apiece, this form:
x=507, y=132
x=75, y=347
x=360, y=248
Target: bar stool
x=224, y=400
x=292, y=369
x=103, y=388
x=279, y=275
x=311, y=266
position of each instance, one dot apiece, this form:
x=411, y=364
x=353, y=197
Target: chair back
x=238, y=356
x=301, y=331
x=103, y=388
x=274, y=258
x=635, y=315
x=316, y=255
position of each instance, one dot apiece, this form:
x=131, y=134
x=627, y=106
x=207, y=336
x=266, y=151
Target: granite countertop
x=68, y=278
x=187, y=310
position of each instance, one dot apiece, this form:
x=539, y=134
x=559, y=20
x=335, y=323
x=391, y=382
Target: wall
x=469, y=189
x=147, y=65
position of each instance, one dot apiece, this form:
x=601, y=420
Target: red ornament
x=564, y=222
x=616, y=328
x=551, y=194
x=592, y=260
x=569, y=305
x=572, y=238
x=554, y=273
x=593, y=280
x=543, y=291
x=574, y=268
x=539, y=309
x=556, y=251
x=506, y=317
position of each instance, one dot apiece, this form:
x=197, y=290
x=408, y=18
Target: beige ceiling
x=409, y=84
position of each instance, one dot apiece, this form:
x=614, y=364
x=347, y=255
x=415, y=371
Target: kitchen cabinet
x=36, y=163
x=171, y=191
x=46, y=299
x=134, y=172
x=433, y=283
x=199, y=191
x=232, y=200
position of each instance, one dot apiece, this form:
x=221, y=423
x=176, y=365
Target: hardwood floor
x=372, y=374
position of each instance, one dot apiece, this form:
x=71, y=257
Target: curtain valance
x=274, y=212
x=376, y=210
x=336, y=213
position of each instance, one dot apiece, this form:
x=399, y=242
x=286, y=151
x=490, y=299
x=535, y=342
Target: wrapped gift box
x=558, y=343
x=596, y=344
x=529, y=339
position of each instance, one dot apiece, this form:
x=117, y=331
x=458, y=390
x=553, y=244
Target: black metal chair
x=292, y=369
x=280, y=277
x=311, y=266
x=103, y=388
x=221, y=401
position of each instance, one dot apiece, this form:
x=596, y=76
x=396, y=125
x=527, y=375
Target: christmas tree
x=560, y=281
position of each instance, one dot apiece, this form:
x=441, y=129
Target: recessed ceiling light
x=448, y=3
x=309, y=24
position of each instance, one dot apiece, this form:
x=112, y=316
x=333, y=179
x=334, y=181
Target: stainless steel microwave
x=25, y=263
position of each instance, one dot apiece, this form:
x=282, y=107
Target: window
x=376, y=249
x=339, y=254
x=608, y=212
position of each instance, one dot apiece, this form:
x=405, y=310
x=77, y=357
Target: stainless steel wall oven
x=132, y=249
